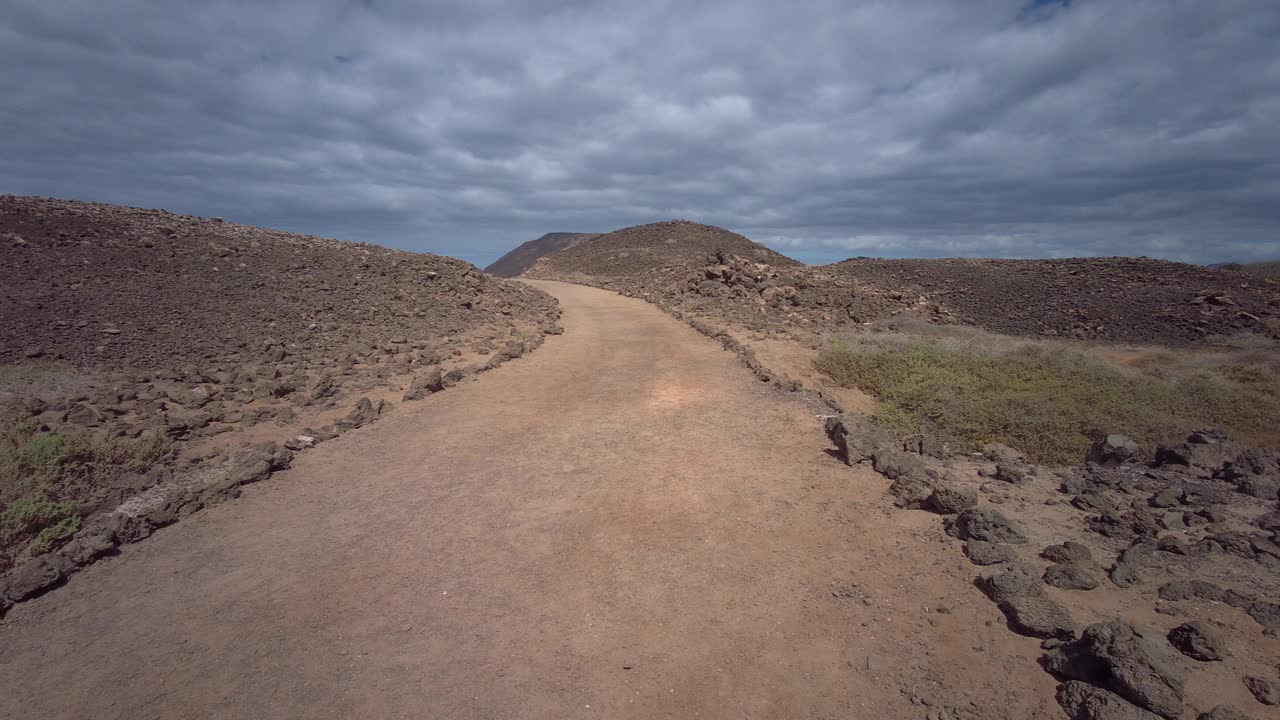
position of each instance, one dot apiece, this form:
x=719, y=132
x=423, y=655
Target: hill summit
x=642, y=248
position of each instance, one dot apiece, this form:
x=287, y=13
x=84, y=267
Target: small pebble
x=627, y=664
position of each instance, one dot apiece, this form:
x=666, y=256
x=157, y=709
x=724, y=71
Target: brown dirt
x=627, y=493
x=110, y=286
x=523, y=257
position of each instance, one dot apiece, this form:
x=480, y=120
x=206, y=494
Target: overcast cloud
x=824, y=129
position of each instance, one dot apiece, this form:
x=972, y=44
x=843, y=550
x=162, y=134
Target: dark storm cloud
x=826, y=129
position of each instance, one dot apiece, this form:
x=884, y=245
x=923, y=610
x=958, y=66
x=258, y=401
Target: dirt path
x=628, y=493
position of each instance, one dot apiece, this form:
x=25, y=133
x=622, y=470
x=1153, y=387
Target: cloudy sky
x=824, y=129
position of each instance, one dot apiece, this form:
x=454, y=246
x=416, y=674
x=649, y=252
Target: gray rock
x=1070, y=576
x=1083, y=701
x=1013, y=474
x=1223, y=712
x=1266, y=691
x=32, y=578
x=1068, y=552
x=981, y=552
x=998, y=453
x=911, y=492
x=1167, y=498
x=1113, y=450
x=894, y=463
x=985, y=524
x=425, y=384
x=1139, y=668
x=1038, y=616
x=1020, y=596
x=1198, y=640
x=950, y=500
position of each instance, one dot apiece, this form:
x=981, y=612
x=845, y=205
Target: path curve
x=626, y=494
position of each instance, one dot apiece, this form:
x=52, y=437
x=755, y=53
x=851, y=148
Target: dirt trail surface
x=624, y=524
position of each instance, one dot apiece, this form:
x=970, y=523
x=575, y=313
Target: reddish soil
x=649, y=503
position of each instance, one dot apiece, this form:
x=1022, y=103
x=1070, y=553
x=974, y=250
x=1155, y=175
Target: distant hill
x=642, y=248
x=523, y=257
x=1118, y=298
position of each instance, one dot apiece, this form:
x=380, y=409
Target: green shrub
x=1047, y=398
x=45, y=477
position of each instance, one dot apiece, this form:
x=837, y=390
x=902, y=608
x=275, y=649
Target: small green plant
x=45, y=478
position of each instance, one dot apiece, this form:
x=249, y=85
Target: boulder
x=1070, y=576
x=1266, y=691
x=1021, y=597
x=1113, y=450
x=1128, y=661
x=985, y=524
x=950, y=500
x=981, y=552
x=893, y=463
x=425, y=384
x=1068, y=552
x=1198, y=640
x=1083, y=701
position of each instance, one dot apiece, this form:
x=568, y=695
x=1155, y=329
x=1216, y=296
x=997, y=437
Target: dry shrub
x=1046, y=398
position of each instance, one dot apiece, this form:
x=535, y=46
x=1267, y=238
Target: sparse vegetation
x=45, y=478
x=1045, y=398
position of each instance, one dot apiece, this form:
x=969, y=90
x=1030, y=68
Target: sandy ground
x=626, y=495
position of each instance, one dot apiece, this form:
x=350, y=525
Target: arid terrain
x=697, y=478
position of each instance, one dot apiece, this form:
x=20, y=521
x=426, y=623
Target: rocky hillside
x=113, y=286
x=152, y=363
x=1120, y=299
x=636, y=250
x=522, y=258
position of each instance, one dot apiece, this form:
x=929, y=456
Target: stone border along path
x=1140, y=676
x=195, y=488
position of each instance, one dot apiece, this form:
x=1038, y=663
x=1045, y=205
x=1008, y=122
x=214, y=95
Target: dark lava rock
x=1113, y=450
x=1083, y=701
x=1266, y=691
x=985, y=524
x=857, y=437
x=1167, y=498
x=949, y=500
x=1070, y=576
x=1020, y=596
x=32, y=578
x=1198, y=640
x=1068, y=552
x=894, y=464
x=425, y=384
x=1013, y=474
x=981, y=552
x=910, y=492
x=1127, y=660
x=1223, y=712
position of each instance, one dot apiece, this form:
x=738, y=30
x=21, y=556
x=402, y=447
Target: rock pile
x=1196, y=514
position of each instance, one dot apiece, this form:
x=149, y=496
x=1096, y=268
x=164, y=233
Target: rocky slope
x=1119, y=299
x=522, y=258
x=151, y=363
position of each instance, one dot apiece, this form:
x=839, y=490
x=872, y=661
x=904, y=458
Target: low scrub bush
x=1047, y=398
x=45, y=477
